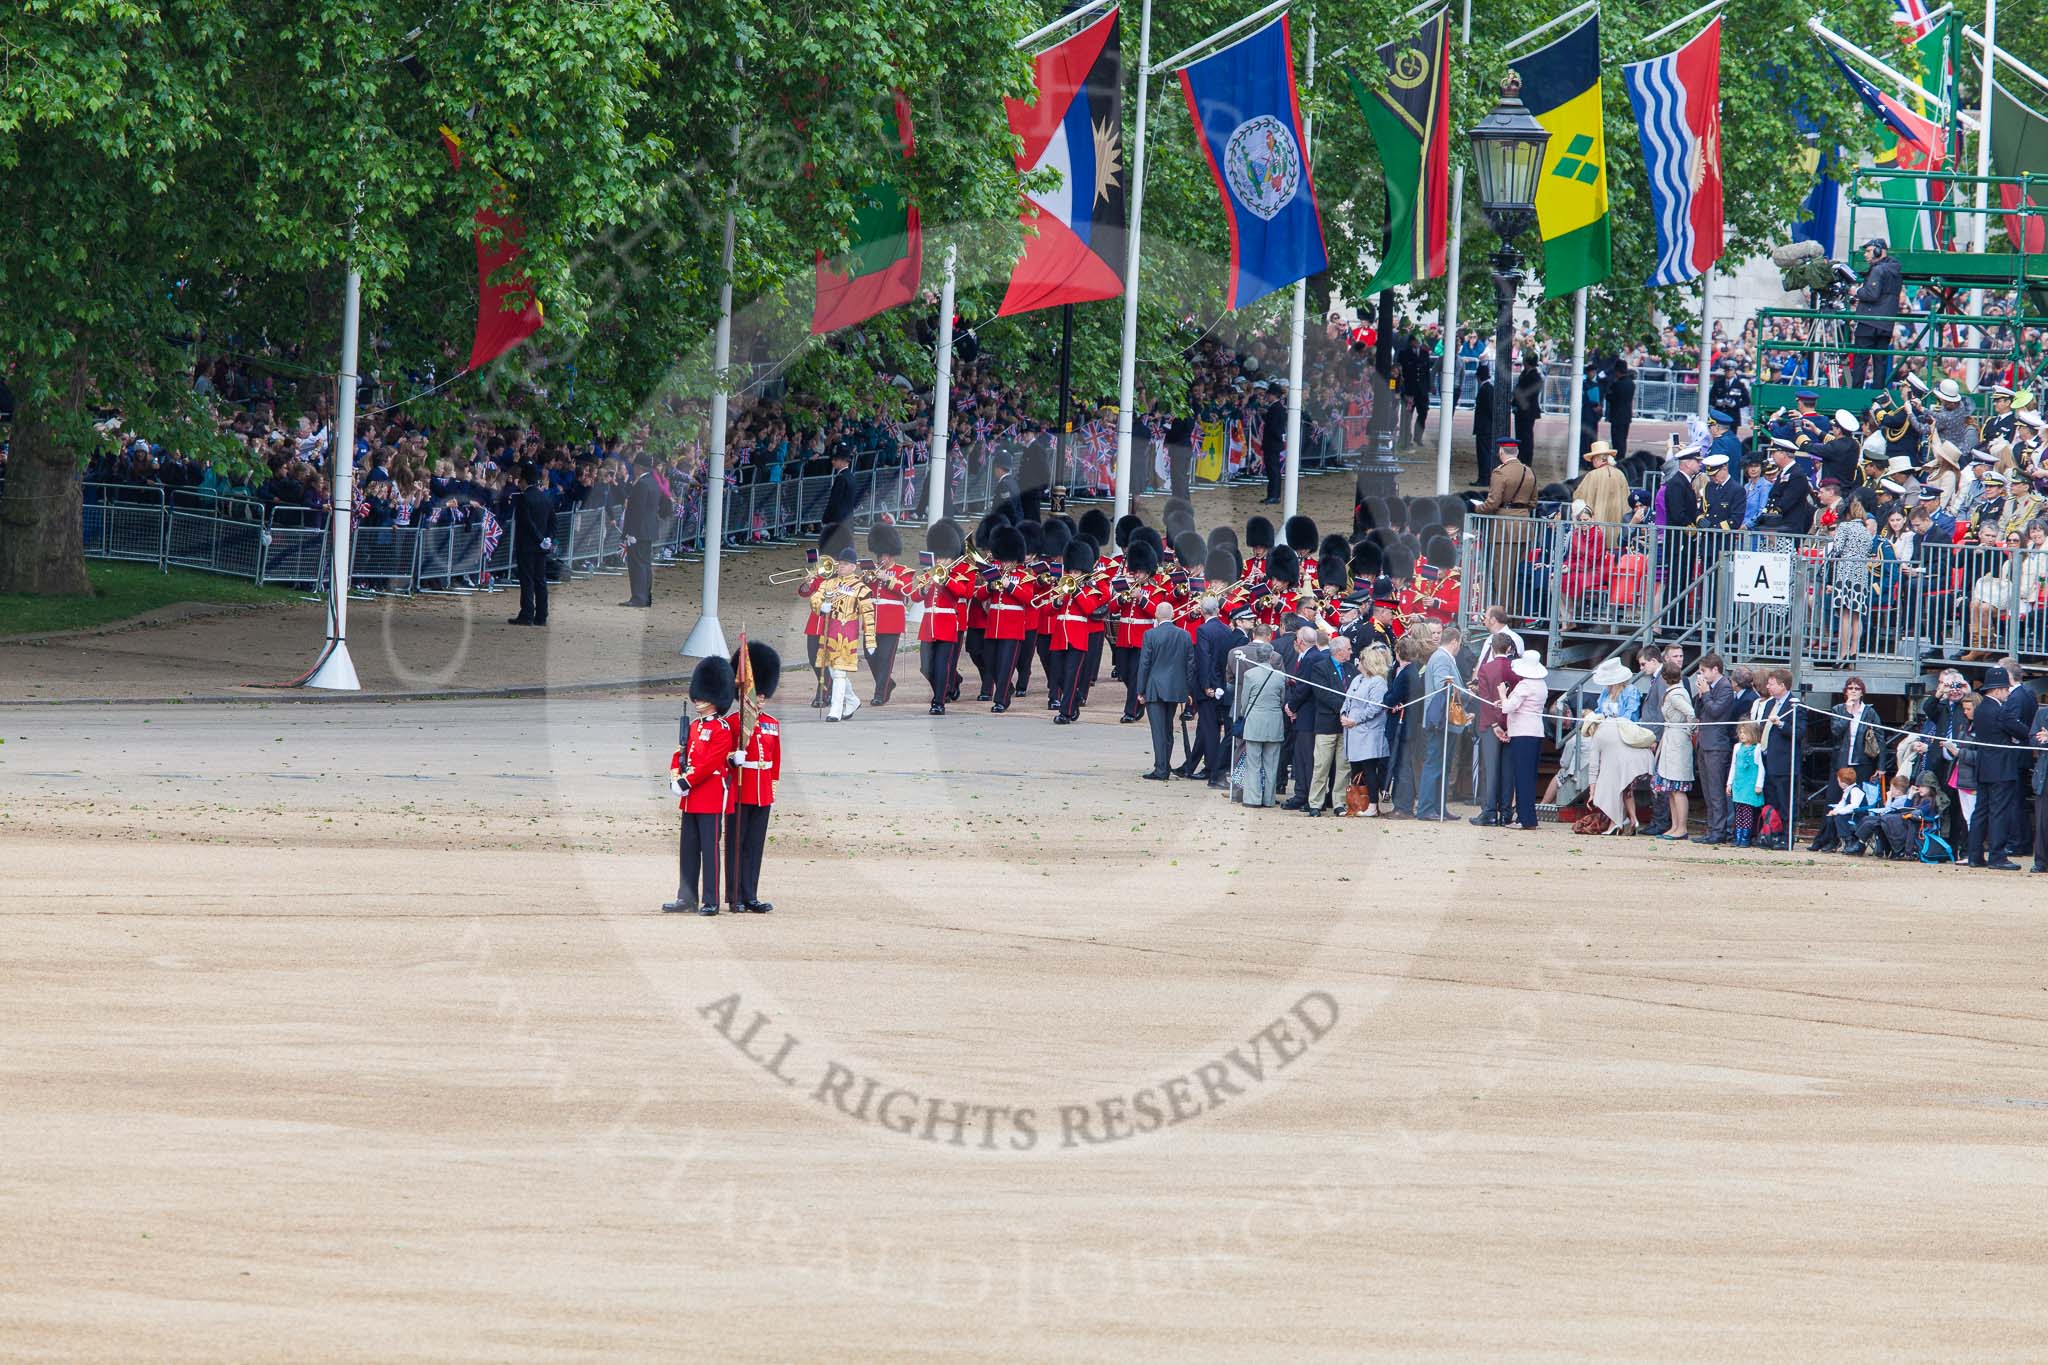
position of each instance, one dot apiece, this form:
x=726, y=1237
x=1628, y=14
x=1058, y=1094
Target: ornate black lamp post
x=1507, y=159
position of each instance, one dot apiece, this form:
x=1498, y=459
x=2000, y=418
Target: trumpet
x=826, y=567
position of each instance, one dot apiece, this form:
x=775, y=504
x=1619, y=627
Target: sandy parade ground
x=348, y=1030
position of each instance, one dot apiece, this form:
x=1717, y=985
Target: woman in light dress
x=1615, y=764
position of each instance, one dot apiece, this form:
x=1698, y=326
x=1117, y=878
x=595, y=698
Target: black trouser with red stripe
x=882, y=663
x=938, y=660
x=979, y=647
x=700, y=858
x=1006, y=670
x=1093, y=669
x=1024, y=651
x=1063, y=675
x=1127, y=669
x=751, y=835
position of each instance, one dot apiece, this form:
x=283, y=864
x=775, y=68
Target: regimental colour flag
x=1410, y=121
x=507, y=310
x=1908, y=142
x=1248, y=120
x=1074, y=232
x=1677, y=99
x=1561, y=88
x=881, y=270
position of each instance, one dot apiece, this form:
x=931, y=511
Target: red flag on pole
x=507, y=313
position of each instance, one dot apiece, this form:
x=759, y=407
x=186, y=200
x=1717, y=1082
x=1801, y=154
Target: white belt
x=1134, y=620
x=1004, y=606
x=1063, y=616
x=755, y=763
x=934, y=611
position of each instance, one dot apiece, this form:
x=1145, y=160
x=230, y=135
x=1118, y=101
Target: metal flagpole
x=1290, y=490
x=1575, y=421
x=937, y=476
x=336, y=671
x=707, y=637
x=1127, y=386
x=1448, y=372
x=1059, y=459
x=1983, y=155
x=1706, y=337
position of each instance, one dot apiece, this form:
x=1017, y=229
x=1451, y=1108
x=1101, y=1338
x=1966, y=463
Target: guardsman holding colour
x=701, y=774
x=757, y=767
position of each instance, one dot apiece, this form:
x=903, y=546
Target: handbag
x=1457, y=716
x=1636, y=736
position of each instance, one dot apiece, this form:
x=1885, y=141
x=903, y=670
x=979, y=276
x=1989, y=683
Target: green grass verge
x=124, y=591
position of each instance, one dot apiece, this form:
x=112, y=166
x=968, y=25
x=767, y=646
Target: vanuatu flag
x=1410, y=120
x=1561, y=87
x=881, y=271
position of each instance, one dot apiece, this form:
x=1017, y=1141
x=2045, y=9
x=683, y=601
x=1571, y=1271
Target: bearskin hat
x=1333, y=573
x=1400, y=562
x=1054, y=537
x=1176, y=507
x=1223, y=535
x=1142, y=556
x=1421, y=511
x=1189, y=549
x=985, y=531
x=1096, y=526
x=1006, y=543
x=1451, y=510
x=944, y=540
x=1368, y=515
x=1258, y=534
x=1440, y=551
x=1126, y=526
x=1151, y=536
x=1334, y=544
x=1302, y=535
x=1033, y=534
x=1178, y=524
x=1079, y=555
x=767, y=666
x=885, y=539
x=1367, y=560
x=1283, y=566
x=712, y=681
x=1220, y=568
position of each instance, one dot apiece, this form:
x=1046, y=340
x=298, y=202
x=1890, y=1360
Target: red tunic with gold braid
x=815, y=623
x=1008, y=600
x=760, y=765
x=1069, y=626
x=1131, y=616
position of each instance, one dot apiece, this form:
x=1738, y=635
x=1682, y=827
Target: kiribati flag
x=1074, y=127
x=1245, y=110
x=1677, y=98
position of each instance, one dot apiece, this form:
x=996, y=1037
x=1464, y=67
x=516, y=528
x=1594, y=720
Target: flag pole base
x=707, y=638
x=335, y=672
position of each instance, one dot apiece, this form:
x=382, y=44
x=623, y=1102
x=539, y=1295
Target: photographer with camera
x=1877, y=299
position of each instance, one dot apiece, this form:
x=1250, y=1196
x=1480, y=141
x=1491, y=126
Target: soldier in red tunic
x=814, y=625
x=1071, y=603
x=945, y=589
x=757, y=766
x=701, y=774
x=1007, y=592
x=1131, y=617
x=1095, y=526
x=890, y=586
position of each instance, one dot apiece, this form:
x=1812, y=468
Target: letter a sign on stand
x=1761, y=577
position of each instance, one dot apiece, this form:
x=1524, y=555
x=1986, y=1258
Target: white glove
x=675, y=786
x=547, y=542
x=631, y=542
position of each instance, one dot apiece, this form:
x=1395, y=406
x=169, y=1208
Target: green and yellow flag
x=1561, y=87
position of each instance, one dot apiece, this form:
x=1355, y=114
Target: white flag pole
x=1706, y=337
x=335, y=671
x=937, y=475
x=1290, y=494
x=1575, y=419
x=707, y=637
x=1983, y=161
x=1127, y=388
x=1448, y=372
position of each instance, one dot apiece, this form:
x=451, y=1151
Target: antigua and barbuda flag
x=1249, y=122
x=1677, y=98
x=1074, y=238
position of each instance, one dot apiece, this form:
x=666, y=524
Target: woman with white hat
x=1616, y=764
x=1522, y=711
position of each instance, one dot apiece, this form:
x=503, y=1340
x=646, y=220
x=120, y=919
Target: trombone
x=826, y=567
x=1065, y=587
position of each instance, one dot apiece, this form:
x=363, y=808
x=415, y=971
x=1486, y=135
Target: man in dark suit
x=1005, y=496
x=1482, y=422
x=1621, y=404
x=2038, y=737
x=1213, y=643
x=1714, y=705
x=533, y=529
x=1163, y=662
x=1330, y=677
x=643, y=525
x=1998, y=772
x=1312, y=667
x=1273, y=442
x=835, y=523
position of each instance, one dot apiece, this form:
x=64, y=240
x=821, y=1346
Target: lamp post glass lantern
x=1507, y=159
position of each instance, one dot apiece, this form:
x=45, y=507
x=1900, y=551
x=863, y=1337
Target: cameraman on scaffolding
x=1877, y=298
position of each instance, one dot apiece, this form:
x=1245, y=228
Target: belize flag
x=1074, y=248
x=1249, y=120
x=1677, y=98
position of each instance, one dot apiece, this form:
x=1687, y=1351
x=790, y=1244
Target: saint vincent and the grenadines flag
x=881, y=269
x=1074, y=243
x=1410, y=121
x=1561, y=88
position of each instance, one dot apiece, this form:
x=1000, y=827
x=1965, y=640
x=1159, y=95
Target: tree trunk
x=42, y=539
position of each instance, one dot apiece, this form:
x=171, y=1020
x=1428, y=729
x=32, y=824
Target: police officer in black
x=533, y=529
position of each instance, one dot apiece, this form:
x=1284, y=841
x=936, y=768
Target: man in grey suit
x=1714, y=704
x=1163, y=684
x=1258, y=691
x=1438, y=676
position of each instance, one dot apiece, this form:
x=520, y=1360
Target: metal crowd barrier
x=1605, y=585
x=1662, y=394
